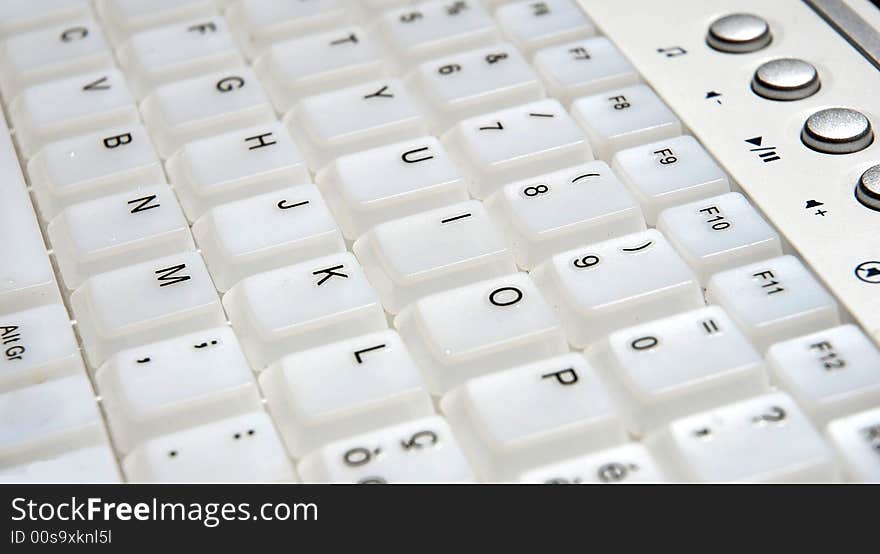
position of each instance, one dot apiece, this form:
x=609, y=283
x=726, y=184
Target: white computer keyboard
x=386, y=241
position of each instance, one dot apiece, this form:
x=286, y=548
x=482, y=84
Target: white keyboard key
x=420, y=451
x=773, y=300
x=346, y=388
x=614, y=284
x=69, y=107
x=235, y=165
x=766, y=439
x=356, y=118
x=195, y=108
x=532, y=25
x=831, y=374
x=259, y=23
x=266, y=232
x=532, y=415
x=408, y=258
x=47, y=419
x=475, y=82
x=118, y=230
x=336, y=59
x=719, y=233
x=19, y=16
x=856, y=439
x=436, y=28
x=158, y=56
x=30, y=280
x=668, y=368
x=145, y=303
x=241, y=449
x=90, y=465
x=630, y=463
x=388, y=182
x=583, y=67
x=71, y=47
x=37, y=345
x=624, y=117
x=302, y=306
x=123, y=18
x=478, y=329
x=90, y=166
x=175, y=384
x=559, y=211
x=668, y=173
x=516, y=143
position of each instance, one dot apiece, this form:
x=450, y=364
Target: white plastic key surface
x=766, y=439
x=259, y=23
x=856, y=440
x=625, y=117
x=668, y=173
x=144, y=303
x=388, y=182
x=89, y=166
x=610, y=285
x=176, y=52
x=266, y=232
x=478, y=329
x=497, y=148
x=630, y=463
x=302, y=306
x=683, y=364
x=314, y=64
x=773, y=300
x=719, y=233
x=27, y=278
x=532, y=25
x=408, y=258
x=355, y=118
x=90, y=465
x=19, y=16
x=175, y=384
x=122, y=18
x=92, y=101
x=43, y=420
x=532, y=415
x=831, y=373
x=203, y=106
x=420, y=451
x=474, y=82
x=235, y=165
x=435, y=28
x=116, y=231
x=558, y=211
x=240, y=449
x=62, y=50
x=345, y=388
x=37, y=345
x=583, y=67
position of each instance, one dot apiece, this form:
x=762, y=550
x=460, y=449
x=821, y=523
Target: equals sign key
x=767, y=153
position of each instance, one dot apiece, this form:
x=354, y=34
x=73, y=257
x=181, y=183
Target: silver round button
x=786, y=79
x=868, y=189
x=739, y=33
x=837, y=131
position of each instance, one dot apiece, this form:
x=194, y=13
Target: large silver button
x=837, y=131
x=868, y=189
x=786, y=79
x=739, y=33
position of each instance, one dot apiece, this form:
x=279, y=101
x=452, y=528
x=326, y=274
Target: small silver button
x=786, y=79
x=739, y=33
x=837, y=131
x=868, y=189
